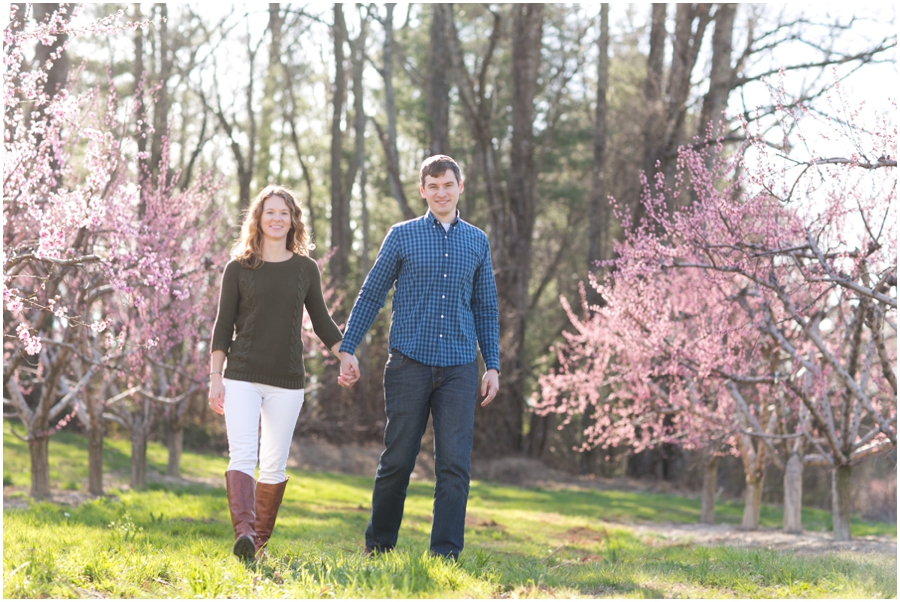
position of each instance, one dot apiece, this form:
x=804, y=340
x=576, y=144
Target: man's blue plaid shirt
x=445, y=299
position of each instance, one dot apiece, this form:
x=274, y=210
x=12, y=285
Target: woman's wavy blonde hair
x=247, y=250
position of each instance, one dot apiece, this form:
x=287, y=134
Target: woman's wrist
x=218, y=373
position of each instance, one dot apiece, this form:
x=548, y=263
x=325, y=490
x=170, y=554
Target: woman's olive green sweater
x=261, y=317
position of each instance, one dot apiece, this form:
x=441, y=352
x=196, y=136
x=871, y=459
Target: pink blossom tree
x=762, y=312
x=169, y=309
x=97, y=272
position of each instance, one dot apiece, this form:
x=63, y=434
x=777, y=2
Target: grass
x=174, y=541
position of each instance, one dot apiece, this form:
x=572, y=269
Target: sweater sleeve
x=322, y=322
x=229, y=298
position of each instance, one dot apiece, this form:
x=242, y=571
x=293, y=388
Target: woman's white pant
x=260, y=417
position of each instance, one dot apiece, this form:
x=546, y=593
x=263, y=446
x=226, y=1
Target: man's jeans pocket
x=396, y=360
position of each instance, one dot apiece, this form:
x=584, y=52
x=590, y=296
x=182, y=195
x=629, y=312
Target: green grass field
x=174, y=541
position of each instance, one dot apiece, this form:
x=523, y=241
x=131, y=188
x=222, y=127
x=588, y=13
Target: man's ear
x=461, y=182
x=422, y=190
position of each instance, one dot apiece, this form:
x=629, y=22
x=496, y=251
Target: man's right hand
x=349, y=370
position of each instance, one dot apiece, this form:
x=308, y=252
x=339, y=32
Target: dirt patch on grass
x=479, y=522
x=770, y=539
x=582, y=535
x=17, y=497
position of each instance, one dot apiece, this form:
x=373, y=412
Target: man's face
x=442, y=195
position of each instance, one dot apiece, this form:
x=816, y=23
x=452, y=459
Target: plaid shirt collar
x=429, y=216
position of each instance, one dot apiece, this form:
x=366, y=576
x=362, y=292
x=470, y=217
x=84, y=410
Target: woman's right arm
x=216, y=384
x=223, y=331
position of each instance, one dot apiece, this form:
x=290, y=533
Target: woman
x=264, y=290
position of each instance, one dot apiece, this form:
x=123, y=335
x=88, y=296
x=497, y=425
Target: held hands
x=490, y=384
x=349, y=369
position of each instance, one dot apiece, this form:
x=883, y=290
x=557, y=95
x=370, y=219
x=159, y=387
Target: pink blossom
x=32, y=344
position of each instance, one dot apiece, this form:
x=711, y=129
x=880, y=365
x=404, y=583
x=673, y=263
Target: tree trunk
x=753, y=488
x=654, y=127
x=95, y=461
x=648, y=462
x=477, y=108
x=754, y=461
x=793, y=494
x=270, y=88
x=708, y=490
x=598, y=208
x=59, y=72
x=654, y=121
x=139, y=453
x=360, y=120
x=439, y=83
x=175, y=441
x=690, y=24
x=291, y=117
x=162, y=103
x=340, y=206
x=137, y=72
x=666, y=110
x=246, y=166
x=361, y=391
x=721, y=76
x=587, y=458
x=244, y=177
x=95, y=433
x=40, y=467
x=39, y=422
x=841, y=506
x=389, y=139
x=499, y=425
x=468, y=204
x=537, y=436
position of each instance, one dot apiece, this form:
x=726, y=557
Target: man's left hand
x=490, y=384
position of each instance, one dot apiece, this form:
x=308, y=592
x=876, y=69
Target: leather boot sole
x=243, y=547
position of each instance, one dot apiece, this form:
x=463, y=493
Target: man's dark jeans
x=411, y=391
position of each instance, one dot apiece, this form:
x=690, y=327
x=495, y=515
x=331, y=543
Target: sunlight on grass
x=173, y=541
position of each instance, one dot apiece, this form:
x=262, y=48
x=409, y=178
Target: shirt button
x=445, y=275
x=442, y=317
x=446, y=254
x=442, y=296
x=440, y=335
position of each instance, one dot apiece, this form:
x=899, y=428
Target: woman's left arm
x=327, y=331
x=322, y=322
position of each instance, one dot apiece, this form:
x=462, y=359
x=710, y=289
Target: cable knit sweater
x=260, y=319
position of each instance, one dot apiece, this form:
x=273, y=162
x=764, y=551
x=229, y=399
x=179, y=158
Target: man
x=444, y=300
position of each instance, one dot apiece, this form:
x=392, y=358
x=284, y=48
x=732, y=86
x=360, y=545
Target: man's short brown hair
x=436, y=166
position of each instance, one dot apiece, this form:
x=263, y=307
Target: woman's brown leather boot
x=268, y=500
x=241, y=503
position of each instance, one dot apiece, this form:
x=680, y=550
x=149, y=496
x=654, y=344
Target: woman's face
x=275, y=221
